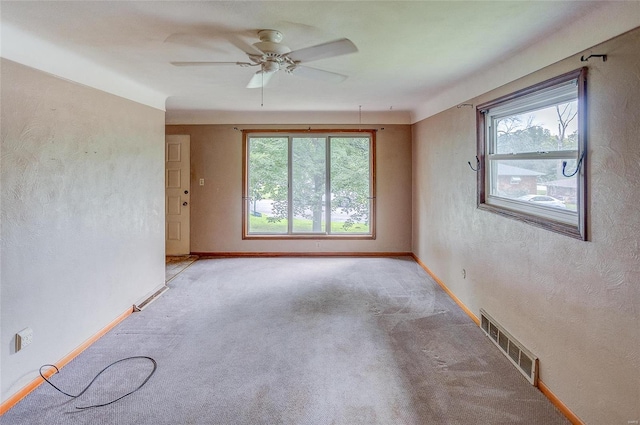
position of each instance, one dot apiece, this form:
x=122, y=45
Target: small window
x=532, y=146
x=309, y=184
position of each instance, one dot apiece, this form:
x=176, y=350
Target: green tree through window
x=317, y=184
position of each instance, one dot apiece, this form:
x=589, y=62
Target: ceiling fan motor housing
x=270, y=43
x=270, y=47
x=274, y=36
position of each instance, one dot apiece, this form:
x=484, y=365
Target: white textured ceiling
x=415, y=58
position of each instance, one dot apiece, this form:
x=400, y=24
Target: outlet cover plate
x=24, y=338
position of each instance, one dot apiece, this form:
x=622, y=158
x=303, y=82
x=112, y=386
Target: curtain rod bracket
x=477, y=165
x=564, y=165
x=583, y=59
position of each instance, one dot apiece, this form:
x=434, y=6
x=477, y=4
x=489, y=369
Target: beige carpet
x=297, y=341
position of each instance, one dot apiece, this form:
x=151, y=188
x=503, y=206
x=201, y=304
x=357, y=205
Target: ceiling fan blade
x=191, y=40
x=210, y=63
x=240, y=44
x=204, y=37
x=321, y=51
x=260, y=79
x=318, y=74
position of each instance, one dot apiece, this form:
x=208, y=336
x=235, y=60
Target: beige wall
x=574, y=304
x=216, y=207
x=82, y=202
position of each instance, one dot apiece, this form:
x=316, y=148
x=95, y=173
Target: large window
x=309, y=184
x=531, y=150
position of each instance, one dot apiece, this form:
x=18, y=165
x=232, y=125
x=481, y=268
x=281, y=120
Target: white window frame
x=557, y=90
x=290, y=135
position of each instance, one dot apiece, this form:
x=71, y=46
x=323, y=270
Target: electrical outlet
x=201, y=182
x=24, y=338
x=464, y=274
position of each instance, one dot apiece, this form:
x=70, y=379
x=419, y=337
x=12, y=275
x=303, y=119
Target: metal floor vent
x=522, y=358
x=149, y=300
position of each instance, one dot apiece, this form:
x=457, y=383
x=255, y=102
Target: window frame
x=545, y=218
x=293, y=133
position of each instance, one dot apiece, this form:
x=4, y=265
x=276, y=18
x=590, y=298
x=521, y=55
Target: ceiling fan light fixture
x=270, y=66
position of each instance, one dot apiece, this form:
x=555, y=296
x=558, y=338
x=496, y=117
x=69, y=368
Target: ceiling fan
x=271, y=57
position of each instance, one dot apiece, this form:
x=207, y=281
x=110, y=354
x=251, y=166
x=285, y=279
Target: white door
x=177, y=194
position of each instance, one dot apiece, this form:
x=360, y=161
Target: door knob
x=186, y=192
x=184, y=204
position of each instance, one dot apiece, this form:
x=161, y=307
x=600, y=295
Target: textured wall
x=82, y=214
x=574, y=304
x=216, y=208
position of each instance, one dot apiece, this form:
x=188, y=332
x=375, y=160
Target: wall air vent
x=522, y=358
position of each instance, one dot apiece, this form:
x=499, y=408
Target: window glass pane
x=267, y=188
x=524, y=138
x=308, y=181
x=535, y=182
x=350, y=184
x=553, y=128
x=287, y=185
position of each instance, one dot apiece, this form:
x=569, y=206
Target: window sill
x=570, y=230
x=309, y=237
